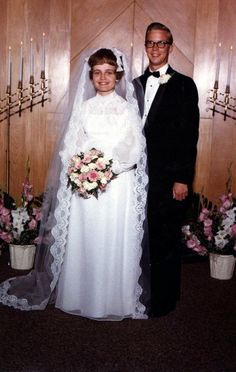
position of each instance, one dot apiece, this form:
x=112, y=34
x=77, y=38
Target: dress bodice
x=104, y=122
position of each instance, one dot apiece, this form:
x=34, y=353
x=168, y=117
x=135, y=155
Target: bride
x=88, y=261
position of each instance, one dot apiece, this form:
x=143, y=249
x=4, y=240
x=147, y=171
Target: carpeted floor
x=200, y=336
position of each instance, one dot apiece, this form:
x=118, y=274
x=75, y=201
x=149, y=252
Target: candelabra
x=24, y=97
x=222, y=102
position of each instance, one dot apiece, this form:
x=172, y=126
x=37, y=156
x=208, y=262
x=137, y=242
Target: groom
x=168, y=103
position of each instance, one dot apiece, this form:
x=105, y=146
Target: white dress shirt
x=152, y=86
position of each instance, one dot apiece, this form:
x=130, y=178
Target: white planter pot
x=22, y=256
x=221, y=266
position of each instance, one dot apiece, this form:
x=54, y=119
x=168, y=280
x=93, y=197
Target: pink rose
x=87, y=158
x=93, y=176
x=100, y=165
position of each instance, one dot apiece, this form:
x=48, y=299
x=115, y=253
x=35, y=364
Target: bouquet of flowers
x=20, y=225
x=89, y=173
x=214, y=231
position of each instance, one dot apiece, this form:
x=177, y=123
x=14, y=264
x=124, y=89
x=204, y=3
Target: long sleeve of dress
x=127, y=150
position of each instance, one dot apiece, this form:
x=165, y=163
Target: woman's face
x=104, y=78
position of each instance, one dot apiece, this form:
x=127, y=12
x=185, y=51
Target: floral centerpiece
x=20, y=225
x=214, y=230
x=89, y=173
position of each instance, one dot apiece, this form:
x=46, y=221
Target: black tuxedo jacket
x=171, y=130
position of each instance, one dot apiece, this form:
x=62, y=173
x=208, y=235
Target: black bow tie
x=148, y=73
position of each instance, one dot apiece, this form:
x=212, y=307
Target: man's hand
x=180, y=191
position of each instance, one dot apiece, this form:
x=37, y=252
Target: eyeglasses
x=159, y=44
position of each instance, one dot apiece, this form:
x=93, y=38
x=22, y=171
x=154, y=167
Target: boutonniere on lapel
x=164, y=78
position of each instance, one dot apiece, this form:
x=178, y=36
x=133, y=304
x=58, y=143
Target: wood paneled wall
x=72, y=26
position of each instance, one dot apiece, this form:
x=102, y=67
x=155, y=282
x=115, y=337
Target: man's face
x=158, y=57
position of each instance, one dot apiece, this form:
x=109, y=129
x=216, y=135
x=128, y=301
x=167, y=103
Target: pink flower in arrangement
x=82, y=177
x=108, y=174
x=200, y=249
x=208, y=232
x=204, y=214
x=87, y=158
x=223, y=198
x=5, y=215
x=77, y=166
x=20, y=224
x=93, y=176
x=27, y=197
x=226, y=202
x=233, y=230
x=37, y=214
x=191, y=243
x=215, y=229
x=32, y=224
x=207, y=222
x=100, y=165
x=6, y=236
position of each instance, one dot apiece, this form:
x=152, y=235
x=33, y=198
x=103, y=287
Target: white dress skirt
x=101, y=266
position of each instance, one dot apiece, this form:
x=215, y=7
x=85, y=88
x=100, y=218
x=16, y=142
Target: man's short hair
x=159, y=26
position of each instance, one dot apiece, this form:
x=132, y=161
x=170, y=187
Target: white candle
x=229, y=65
x=31, y=58
x=9, y=67
x=21, y=62
x=142, y=64
x=131, y=57
x=218, y=62
x=43, y=53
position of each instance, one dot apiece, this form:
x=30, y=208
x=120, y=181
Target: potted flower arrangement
x=213, y=233
x=19, y=225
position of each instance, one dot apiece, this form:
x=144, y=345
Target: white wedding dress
x=101, y=265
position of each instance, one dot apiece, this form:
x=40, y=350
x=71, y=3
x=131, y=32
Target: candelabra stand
x=222, y=103
x=15, y=103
